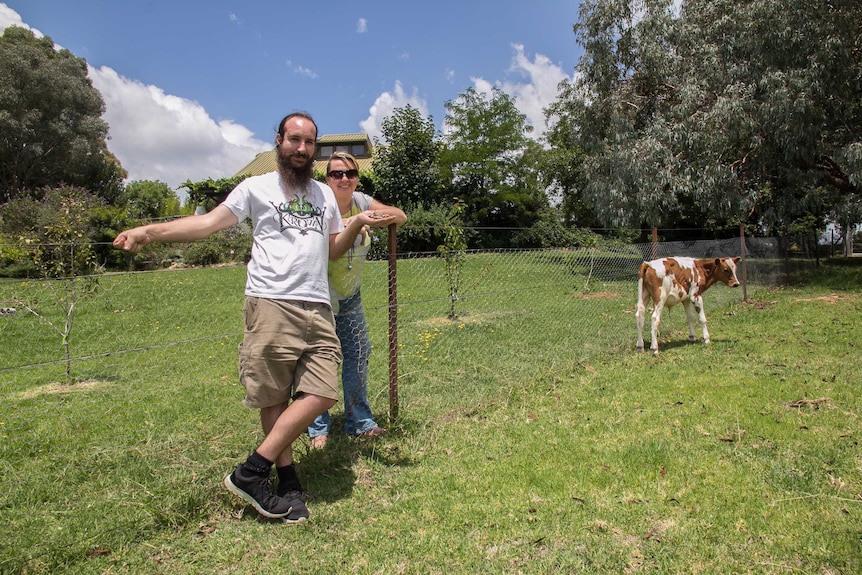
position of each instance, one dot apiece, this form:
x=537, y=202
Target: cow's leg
x=689, y=317
x=698, y=305
x=656, y=321
x=640, y=314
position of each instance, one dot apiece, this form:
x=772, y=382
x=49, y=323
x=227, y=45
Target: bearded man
x=289, y=355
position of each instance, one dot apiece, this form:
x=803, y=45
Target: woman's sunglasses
x=338, y=174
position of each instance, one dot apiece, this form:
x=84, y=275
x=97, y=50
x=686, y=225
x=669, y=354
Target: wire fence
x=136, y=327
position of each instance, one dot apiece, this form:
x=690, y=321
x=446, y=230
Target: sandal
x=373, y=432
x=318, y=442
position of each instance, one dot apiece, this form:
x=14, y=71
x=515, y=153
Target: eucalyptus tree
x=51, y=127
x=723, y=112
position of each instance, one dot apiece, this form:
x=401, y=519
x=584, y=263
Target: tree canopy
x=405, y=164
x=728, y=112
x=51, y=126
x=147, y=199
x=490, y=163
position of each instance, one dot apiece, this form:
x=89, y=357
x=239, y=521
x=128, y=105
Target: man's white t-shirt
x=290, y=250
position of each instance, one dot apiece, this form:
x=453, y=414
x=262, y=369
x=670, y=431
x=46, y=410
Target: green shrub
x=380, y=244
x=230, y=245
x=550, y=231
x=154, y=256
x=105, y=223
x=15, y=261
x=205, y=252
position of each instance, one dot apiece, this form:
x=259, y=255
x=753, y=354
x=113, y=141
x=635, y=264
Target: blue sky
x=195, y=88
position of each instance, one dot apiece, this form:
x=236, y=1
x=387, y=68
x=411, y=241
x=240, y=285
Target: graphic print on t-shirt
x=299, y=214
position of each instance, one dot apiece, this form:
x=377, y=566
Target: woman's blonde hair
x=344, y=157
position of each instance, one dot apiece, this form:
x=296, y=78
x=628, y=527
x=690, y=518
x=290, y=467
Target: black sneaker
x=255, y=489
x=298, y=511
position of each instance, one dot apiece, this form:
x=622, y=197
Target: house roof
x=344, y=138
x=266, y=161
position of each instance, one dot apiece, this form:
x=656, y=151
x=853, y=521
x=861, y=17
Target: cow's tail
x=642, y=271
x=641, y=275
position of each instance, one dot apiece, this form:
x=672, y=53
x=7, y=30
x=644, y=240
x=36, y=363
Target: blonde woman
x=345, y=274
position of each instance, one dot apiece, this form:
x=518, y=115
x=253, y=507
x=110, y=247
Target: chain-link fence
x=143, y=328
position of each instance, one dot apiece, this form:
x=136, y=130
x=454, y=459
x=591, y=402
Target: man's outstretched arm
x=187, y=229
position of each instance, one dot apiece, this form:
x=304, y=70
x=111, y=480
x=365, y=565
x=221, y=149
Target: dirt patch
x=761, y=305
x=467, y=318
x=831, y=298
x=54, y=388
x=812, y=403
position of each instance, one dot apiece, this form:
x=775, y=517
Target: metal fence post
x=393, y=325
x=654, y=243
x=744, y=266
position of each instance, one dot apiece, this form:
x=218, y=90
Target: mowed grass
x=531, y=438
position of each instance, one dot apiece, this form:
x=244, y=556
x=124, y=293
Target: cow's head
x=725, y=271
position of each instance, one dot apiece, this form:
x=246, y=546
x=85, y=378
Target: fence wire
x=145, y=328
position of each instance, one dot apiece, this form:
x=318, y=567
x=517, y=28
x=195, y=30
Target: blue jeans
x=352, y=331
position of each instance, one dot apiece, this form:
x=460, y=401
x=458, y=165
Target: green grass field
x=531, y=437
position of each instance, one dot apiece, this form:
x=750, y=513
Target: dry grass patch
x=832, y=298
x=60, y=388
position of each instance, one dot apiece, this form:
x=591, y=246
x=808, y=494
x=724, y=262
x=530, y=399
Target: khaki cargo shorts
x=289, y=347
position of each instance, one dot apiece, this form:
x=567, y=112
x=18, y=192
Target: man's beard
x=292, y=176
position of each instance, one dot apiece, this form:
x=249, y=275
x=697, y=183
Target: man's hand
x=132, y=240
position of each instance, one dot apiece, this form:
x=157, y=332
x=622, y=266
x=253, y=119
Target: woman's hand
x=376, y=218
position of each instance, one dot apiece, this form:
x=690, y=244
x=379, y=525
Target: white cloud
x=9, y=17
x=301, y=70
x=157, y=136
x=362, y=26
x=385, y=104
x=531, y=97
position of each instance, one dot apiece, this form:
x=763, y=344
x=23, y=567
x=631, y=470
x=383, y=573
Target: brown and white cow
x=669, y=281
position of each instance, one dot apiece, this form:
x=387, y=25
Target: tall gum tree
x=723, y=112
